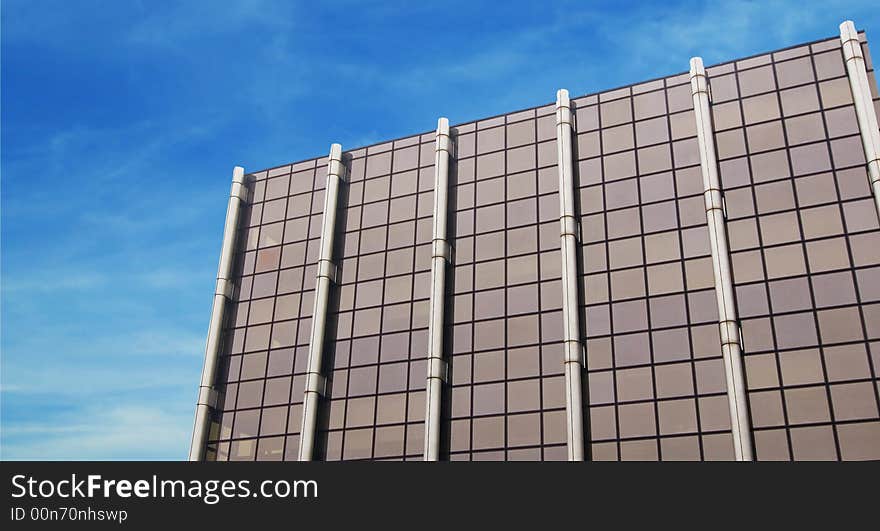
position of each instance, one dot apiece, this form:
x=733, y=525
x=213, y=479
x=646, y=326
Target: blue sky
x=121, y=122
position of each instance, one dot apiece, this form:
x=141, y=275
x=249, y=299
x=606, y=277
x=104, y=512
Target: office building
x=681, y=269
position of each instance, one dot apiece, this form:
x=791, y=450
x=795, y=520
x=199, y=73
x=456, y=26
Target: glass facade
x=505, y=398
x=655, y=377
x=804, y=241
x=804, y=246
x=262, y=369
x=377, y=327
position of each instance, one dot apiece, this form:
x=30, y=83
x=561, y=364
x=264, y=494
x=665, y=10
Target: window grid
x=342, y=432
x=794, y=415
x=483, y=394
x=769, y=111
x=262, y=383
x=686, y=416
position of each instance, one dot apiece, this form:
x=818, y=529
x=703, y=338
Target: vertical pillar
x=866, y=114
x=727, y=319
x=440, y=254
x=207, y=400
x=574, y=359
x=315, y=380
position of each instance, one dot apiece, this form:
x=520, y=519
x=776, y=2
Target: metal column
x=574, y=358
x=224, y=289
x=728, y=322
x=866, y=114
x=315, y=380
x=440, y=254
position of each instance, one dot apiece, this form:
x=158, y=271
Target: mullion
x=229, y=329
x=505, y=348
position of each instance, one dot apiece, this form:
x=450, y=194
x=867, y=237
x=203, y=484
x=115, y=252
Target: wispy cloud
x=87, y=380
x=109, y=247
x=127, y=431
x=122, y=122
x=177, y=25
x=53, y=283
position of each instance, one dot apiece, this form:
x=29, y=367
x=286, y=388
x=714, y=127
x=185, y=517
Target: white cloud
x=186, y=21
x=91, y=302
x=53, y=281
x=124, y=431
x=718, y=31
x=85, y=378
